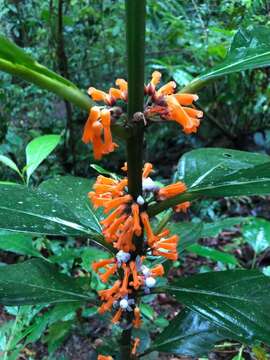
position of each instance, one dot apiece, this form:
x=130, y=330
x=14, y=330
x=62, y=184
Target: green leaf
x=213, y=229
x=57, y=333
x=215, y=172
x=189, y=334
x=37, y=282
x=32, y=211
x=257, y=233
x=16, y=62
x=18, y=243
x=38, y=150
x=11, y=164
x=235, y=300
x=73, y=193
x=213, y=254
x=103, y=171
x=249, y=49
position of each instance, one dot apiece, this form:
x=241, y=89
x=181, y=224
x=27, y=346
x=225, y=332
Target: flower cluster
x=162, y=102
x=127, y=218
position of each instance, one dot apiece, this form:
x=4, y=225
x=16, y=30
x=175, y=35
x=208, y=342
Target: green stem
x=135, y=36
x=156, y=208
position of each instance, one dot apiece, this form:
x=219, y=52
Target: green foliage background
x=183, y=39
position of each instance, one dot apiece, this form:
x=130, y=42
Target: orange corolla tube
x=167, y=89
x=136, y=283
x=97, y=140
x=182, y=207
x=157, y=271
x=123, y=291
x=100, y=264
x=111, y=204
x=177, y=113
x=108, y=293
x=109, y=219
x=109, y=145
x=137, y=318
x=172, y=190
x=104, y=357
x=117, y=316
x=98, y=95
x=149, y=232
x=110, y=232
x=122, y=84
x=156, y=77
x=136, y=219
x=135, y=346
x=147, y=169
x=186, y=99
x=110, y=271
x=94, y=115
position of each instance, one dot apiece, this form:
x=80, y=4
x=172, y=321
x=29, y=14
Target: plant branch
x=158, y=207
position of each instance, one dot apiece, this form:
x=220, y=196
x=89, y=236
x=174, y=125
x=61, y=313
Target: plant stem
x=135, y=37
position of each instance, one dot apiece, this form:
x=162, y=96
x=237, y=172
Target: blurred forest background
x=85, y=42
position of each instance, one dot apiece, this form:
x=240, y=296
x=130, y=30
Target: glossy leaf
x=189, y=334
x=33, y=211
x=36, y=282
x=257, y=233
x=250, y=49
x=235, y=300
x=10, y=163
x=217, y=172
x=16, y=62
x=212, y=254
x=38, y=150
x=18, y=243
x=73, y=193
x=213, y=229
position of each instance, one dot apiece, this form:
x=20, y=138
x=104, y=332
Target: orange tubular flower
x=136, y=283
x=182, y=207
x=135, y=346
x=157, y=271
x=156, y=76
x=136, y=218
x=97, y=140
x=88, y=131
x=107, y=294
x=167, y=89
x=122, y=84
x=106, y=306
x=117, y=316
x=111, y=204
x=98, y=95
x=111, y=231
x=147, y=169
x=149, y=232
x=109, y=145
x=110, y=271
x=137, y=318
x=117, y=212
x=179, y=114
x=186, y=99
x=124, y=167
x=166, y=248
x=172, y=190
x=102, y=263
x=104, y=357
x=123, y=291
